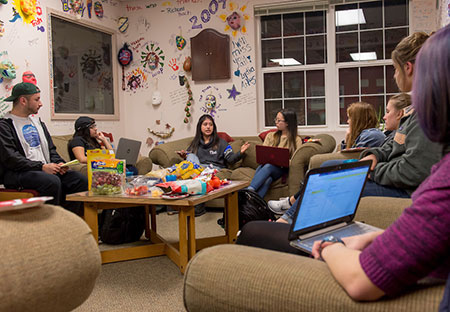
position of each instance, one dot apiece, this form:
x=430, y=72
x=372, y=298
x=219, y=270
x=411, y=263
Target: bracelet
x=329, y=239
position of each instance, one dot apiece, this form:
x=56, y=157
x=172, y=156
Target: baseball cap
x=83, y=122
x=22, y=88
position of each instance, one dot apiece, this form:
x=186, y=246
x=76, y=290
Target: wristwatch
x=329, y=239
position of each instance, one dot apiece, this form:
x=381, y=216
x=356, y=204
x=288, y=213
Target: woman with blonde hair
x=362, y=127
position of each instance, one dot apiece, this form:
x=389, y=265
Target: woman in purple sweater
x=417, y=245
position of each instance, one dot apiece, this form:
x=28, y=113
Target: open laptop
x=129, y=150
x=278, y=156
x=328, y=203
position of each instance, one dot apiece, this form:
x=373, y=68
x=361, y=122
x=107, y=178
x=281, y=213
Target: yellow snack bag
x=96, y=154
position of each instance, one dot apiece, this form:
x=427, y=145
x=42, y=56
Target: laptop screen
x=330, y=195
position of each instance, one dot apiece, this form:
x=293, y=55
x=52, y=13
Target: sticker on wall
x=26, y=9
x=91, y=63
x=233, y=93
x=235, y=21
x=28, y=76
x=123, y=24
x=7, y=70
x=98, y=9
x=211, y=98
x=152, y=57
x=125, y=57
x=180, y=42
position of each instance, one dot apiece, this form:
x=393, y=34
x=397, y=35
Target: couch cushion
x=250, y=156
x=263, y=135
x=61, y=141
x=225, y=136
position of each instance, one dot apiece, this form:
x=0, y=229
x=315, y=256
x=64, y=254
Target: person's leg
x=333, y=162
x=267, y=235
x=374, y=189
x=193, y=158
x=261, y=182
x=45, y=184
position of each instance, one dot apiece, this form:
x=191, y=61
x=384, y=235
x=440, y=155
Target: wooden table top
x=192, y=200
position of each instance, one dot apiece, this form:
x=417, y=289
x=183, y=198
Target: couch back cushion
x=61, y=142
x=225, y=136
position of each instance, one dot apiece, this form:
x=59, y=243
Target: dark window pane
x=316, y=112
x=271, y=108
x=315, y=49
x=294, y=48
x=392, y=38
x=345, y=16
x=315, y=22
x=344, y=103
x=372, y=80
x=299, y=107
x=348, y=81
x=270, y=26
x=372, y=41
x=346, y=44
x=315, y=83
x=271, y=49
x=377, y=102
x=294, y=84
x=293, y=24
x=272, y=86
x=396, y=13
x=391, y=85
x=372, y=15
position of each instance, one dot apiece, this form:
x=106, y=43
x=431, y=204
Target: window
x=298, y=72
x=290, y=42
x=83, y=70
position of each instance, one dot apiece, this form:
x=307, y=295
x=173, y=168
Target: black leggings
x=267, y=235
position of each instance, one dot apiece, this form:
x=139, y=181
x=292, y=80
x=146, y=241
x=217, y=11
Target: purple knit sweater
x=418, y=243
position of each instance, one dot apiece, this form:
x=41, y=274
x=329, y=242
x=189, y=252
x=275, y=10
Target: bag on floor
x=252, y=207
x=120, y=226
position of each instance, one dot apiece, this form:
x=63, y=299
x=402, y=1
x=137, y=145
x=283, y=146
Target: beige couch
x=165, y=156
x=50, y=260
x=144, y=164
x=241, y=278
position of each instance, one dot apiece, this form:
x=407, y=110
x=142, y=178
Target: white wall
x=157, y=22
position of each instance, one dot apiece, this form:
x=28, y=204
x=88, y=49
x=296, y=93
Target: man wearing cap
x=28, y=158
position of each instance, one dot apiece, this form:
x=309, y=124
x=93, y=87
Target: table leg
x=231, y=216
x=91, y=218
x=186, y=235
x=147, y=221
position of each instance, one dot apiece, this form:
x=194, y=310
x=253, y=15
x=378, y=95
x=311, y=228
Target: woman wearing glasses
x=86, y=137
x=285, y=136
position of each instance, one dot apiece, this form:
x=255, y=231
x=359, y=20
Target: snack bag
x=186, y=170
x=193, y=187
x=108, y=176
x=96, y=154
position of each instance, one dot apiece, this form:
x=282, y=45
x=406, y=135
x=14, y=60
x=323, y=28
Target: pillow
x=225, y=136
x=262, y=135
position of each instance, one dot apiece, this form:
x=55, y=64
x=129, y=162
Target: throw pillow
x=262, y=135
x=225, y=136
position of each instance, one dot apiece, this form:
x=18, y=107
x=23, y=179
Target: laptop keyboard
x=353, y=229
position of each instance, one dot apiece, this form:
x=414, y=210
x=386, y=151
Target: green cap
x=22, y=88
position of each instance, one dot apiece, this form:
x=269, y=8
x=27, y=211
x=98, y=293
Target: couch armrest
x=301, y=158
x=241, y=278
x=49, y=261
x=165, y=154
x=82, y=168
x=381, y=211
x=317, y=160
x=144, y=165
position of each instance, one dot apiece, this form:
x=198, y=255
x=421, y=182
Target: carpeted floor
x=152, y=284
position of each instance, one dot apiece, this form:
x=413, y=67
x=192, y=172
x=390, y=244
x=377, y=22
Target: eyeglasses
x=278, y=120
x=93, y=126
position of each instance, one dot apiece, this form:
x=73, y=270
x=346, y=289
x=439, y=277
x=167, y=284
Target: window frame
x=114, y=65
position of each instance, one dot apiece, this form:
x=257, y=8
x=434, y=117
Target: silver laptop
x=328, y=203
x=129, y=150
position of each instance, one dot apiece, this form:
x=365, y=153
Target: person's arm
x=80, y=153
x=103, y=140
x=343, y=262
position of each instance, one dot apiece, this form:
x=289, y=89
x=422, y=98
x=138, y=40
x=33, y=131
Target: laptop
x=129, y=150
x=328, y=203
x=278, y=156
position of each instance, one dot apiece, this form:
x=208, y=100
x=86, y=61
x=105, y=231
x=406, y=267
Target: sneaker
x=279, y=206
x=200, y=210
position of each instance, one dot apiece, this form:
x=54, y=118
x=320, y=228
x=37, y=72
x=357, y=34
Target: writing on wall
x=240, y=56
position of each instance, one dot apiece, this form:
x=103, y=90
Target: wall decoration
x=163, y=134
x=123, y=24
x=152, y=57
x=173, y=64
x=4, y=1
x=125, y=57
x=210, y=101
x=137, y=79
x=187, y=64
x=156, y=95
x=7, y=70
x=211, y=98
x=98, y=9
x=149, y=142
x=233, y=93
x=240, y=55
x=188, y=102
x=89, y=7
x=91, y=63
x=180, y=41
x=28, y=76
x=236, y=20
x=205, y=15
x=2, y=28
x=26, y=9
x=16, y=16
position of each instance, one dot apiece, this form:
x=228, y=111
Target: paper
x=70, y=163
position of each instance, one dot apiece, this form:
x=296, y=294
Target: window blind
x=291, y=7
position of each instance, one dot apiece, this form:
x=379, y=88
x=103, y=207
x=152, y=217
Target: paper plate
x=17, y=204
x=174, y=196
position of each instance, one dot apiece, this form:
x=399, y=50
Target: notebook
x=328, y=203
x=278, y=156
x=129, y=150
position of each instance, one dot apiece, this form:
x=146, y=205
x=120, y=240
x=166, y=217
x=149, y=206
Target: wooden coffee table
x=180, y=253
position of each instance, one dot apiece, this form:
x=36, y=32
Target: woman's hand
x=101, y=137
x=244, y=147
x=182, y=153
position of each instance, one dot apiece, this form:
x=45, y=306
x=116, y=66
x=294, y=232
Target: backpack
x=124, y=225
x=251, y=207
